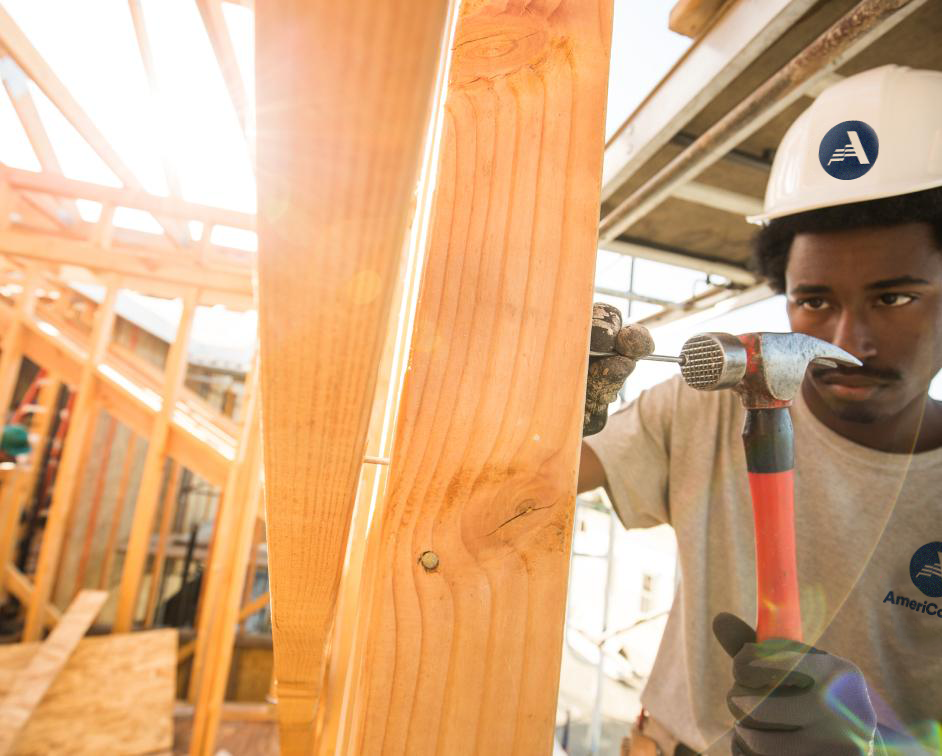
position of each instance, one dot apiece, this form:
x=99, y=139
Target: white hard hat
x=873, y=135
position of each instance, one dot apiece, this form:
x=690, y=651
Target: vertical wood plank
x=91, y=526
x=117, y=514
x=15, y=497
x=12, y=354
x=67, y=475
x=464, y=647
x=31, y=684
x=233, y=537
x=149, y=491
x=336, y=180
x=163, y=535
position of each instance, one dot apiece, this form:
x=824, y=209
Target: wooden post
x=12, y=354
x=91, y=531
x=234, y=531
x=67, y=477
x=117, y=513
x=467, y=619
x=149, y=491
x=163, y=534
x=15, y=498
x=336, y=180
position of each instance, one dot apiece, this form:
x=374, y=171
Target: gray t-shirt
x=675, y=456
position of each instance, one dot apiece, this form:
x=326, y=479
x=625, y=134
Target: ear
x=732, y=632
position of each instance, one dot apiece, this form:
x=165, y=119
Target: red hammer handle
x=770, y=459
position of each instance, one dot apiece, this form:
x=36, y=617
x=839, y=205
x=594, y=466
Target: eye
x=812, y=303
x=894, y=300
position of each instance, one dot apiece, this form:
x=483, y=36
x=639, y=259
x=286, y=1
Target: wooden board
x=691, y=17
x=336, y=182
x=114, y=696
x=32, y=682
x=463, y=655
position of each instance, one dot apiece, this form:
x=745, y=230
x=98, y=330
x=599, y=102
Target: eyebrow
x=889, y=283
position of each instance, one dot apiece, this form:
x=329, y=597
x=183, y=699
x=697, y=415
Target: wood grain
x=344, y=91
x=691, y=17
x=114, y=696
x=68, y=471
x=149, y=490
x=32, y=682
x=463, y=657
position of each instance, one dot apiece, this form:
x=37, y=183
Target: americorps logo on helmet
x=925, y=569
x=849, y=150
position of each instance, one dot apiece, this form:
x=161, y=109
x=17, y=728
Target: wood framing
x=234, y=530
x=32, y=683
x=83, y=412
x=467, y=622
x=168, y=507
x=215, y=23
x=325, y=283
x=149, y=490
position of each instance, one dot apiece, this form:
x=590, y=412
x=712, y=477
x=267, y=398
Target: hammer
x=766, y=370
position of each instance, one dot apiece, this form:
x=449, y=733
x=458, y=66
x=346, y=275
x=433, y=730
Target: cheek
x=809, y=322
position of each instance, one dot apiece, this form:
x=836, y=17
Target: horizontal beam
x=717, y=198
x=734, y=273
x=124, y=261
x=60, y=186
x=746, y=30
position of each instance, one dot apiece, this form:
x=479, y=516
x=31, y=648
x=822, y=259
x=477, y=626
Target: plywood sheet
x=115, y=695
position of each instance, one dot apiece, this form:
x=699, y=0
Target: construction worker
x=852, y=236
x=13, y=442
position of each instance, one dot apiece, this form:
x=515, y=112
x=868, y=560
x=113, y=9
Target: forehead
x=863, y=255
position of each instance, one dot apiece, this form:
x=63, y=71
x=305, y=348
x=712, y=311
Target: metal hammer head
x=766, y=369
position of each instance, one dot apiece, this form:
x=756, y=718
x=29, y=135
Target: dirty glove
x=791, y=698
x=608, y=374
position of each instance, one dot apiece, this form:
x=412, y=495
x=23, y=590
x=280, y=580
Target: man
x=13, y=442
x=853, y=237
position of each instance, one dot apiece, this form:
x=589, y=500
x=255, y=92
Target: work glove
x=791, y=698
x=607, y=374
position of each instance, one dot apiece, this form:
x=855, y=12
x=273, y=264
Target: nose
x=853, y=334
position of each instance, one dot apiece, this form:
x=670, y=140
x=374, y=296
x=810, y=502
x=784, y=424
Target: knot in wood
x=429, y=560
x=494, y=46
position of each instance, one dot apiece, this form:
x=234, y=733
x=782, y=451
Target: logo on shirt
x=849, y=150
x=925, y=569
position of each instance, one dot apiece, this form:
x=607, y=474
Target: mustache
x=875, y=372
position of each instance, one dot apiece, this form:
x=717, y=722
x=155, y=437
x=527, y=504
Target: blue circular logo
x=849, y=150
x=925, y=569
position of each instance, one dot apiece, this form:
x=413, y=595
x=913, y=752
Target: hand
x=608, y=374
x=791, y=698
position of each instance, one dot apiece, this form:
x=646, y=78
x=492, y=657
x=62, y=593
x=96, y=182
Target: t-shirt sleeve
x=634, y=449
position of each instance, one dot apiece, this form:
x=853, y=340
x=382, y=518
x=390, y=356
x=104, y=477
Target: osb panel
x=115, y=695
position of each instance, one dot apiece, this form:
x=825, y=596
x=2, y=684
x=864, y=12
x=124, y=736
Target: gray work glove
x=608, y=374
x=790, y=698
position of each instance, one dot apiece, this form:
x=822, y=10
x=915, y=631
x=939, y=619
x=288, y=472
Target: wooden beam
x=147, y=495
x=16, y=496
x=67, y=477
x=15, y=83
x=224, y=592
x=149, y=269
x=33, y=64
x=128, y=196
x=156, y=102
x=467, y=619
x=691, y=17
x=22, y=587
x=168, y=507
x=215, y=23
x=12, y=354
x=256, y=604
x=91, y=525
x=326, y=270
x=33, y=682
x=117, y=515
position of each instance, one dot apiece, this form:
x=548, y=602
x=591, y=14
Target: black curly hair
x=773, y=243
